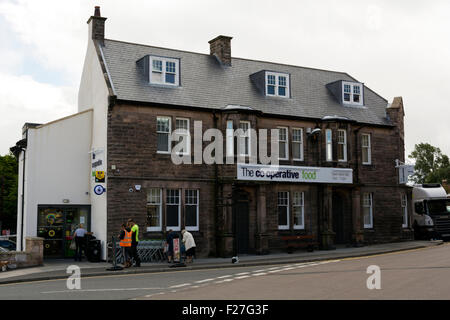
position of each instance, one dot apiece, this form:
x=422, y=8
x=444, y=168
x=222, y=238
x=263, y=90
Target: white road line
x=205, y=280
x=222, y=277
x=223, y=281
x=259, y=270
x=285, y=269
x=273, y=268
x=180, y=285
x=242, y=277
x=101, y=290
x=273, y=271
x=242, y=273
x=259, y=274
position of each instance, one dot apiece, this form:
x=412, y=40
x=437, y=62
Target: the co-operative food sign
x=256, y=172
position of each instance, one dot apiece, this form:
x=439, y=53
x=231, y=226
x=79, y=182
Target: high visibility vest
x=126, y=241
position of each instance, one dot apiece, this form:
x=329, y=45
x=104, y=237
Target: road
x=415, y=274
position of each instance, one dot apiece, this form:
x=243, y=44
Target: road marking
x=259, y=274
x=259, y=270
x=242, y=277
x=242, y=273
x=100, y=290
x=180, y=285
x=286, y=269
x=227, y=276
x=206, y=280
x=273, y=271
x=223, y=281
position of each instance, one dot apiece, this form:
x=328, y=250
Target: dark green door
x=241, y=216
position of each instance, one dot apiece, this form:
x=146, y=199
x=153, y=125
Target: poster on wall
x=98, y=165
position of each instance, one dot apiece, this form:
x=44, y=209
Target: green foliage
x=431, y=165
x=8, y=191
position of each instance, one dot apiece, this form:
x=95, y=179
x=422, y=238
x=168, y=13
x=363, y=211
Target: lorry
x=431, y=211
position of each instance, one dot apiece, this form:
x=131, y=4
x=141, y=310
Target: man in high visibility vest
x=134, y=242
x=125, y=244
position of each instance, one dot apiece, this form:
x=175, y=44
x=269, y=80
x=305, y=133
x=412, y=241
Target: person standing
x=125, y=243
x=189, y=244
x=78, y=235
x=169, y=240
x=134, y=242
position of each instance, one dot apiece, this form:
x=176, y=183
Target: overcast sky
x=397, y=48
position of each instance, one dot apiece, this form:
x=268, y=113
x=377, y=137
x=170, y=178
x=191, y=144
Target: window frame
x=404, y=204
x=164, y=71
x=245, y=135
x=368, y=147
x=169, y=142
x=298, y=142
x=302, y=206
x=277, y=85
x=283, y=227
x=352, y=93
x=174, y=228
x=286, y=143
x=343, y=144
x=329, y=155
x=368, y=226
x=188, y=134
x=197, y=205
x=157, y=228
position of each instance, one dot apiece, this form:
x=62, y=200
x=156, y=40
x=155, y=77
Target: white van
x=431, y=211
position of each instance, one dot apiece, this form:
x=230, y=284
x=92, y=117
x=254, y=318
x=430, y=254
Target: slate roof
x=206, y=84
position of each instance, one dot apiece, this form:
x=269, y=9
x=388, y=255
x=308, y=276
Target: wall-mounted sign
x=404, y=171
x=98, y=189
x=258, y=172
x=100, y=176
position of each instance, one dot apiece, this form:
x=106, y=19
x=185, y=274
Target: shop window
x=154, y=209
x=329, y=145
x=298, y=206
x=283, y=143
x=342, y=145
x=283, y=210
x=182, y=134
x=173, y=209
x=191, y=209
x=297, y=144
x=163, y=133
x=244, y=138
x=368, y=210
x=366, y=149
x=404, y=211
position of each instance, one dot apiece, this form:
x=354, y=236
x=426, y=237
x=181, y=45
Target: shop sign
x=257, y=172
x=98, y=190
x=100, y=176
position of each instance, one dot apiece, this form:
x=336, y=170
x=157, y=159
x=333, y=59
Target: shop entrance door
x=56, y=224
x=241, y=218
x=338, y=218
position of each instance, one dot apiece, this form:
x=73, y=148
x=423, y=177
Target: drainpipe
x=216, y=195
x=355, y=132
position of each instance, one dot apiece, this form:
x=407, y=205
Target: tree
x=8, y=191
x=431, y=165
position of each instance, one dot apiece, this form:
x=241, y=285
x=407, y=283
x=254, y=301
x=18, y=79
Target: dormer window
x=277, y=84
x=164, y=71
x=352, y=93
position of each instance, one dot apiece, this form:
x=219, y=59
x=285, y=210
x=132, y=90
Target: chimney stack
x=97, y=26
x=220, y=47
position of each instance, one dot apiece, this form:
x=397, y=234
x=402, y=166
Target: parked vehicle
x=3, y=250
x=431, y=211
x=7, y=243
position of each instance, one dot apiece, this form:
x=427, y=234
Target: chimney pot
x=220, y=47
x=97, y=11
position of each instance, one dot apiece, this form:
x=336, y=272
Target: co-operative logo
x=308, y=175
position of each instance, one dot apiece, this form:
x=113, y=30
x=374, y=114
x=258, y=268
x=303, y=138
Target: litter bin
x=94, y=249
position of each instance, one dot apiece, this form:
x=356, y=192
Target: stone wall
x=32, y=257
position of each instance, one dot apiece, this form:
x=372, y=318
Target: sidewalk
x=56, y=269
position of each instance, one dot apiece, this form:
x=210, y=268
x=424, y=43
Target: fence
x=148, y=251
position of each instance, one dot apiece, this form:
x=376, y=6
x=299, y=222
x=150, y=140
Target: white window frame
x=370, y=206
x=196, y=227
x=284, y=227
x=174, y=228
x=156, y=228
x=164, y=71
x=329, y=145
x=277, y=76
x=230, y=138
x=343, y=144
x=169, y=143
x=352, y=85
x=368, y=147
x=286, y=142
x=404, y=203
x=299, y=205
x=187, y=134
x=245, y=135
x=298, y=142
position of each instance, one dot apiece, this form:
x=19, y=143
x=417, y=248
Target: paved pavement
x=56, y=269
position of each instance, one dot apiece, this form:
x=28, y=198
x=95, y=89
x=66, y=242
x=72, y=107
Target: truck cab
x=431, y=211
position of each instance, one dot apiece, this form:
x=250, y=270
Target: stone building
x=338, y=142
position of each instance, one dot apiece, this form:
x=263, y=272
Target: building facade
x=334, y=176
